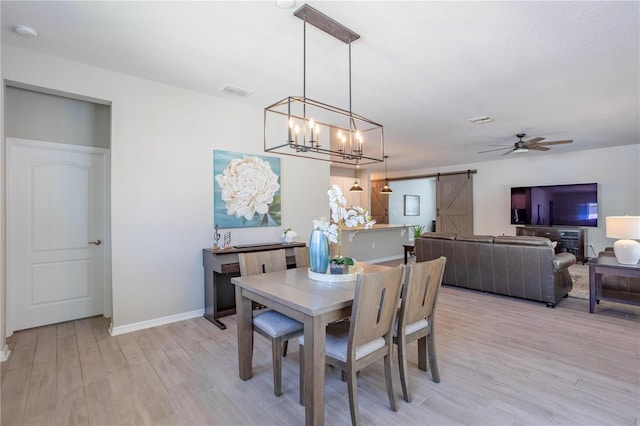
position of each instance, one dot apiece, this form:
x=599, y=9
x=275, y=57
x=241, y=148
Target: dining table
x=314, y=302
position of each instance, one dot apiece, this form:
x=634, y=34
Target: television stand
x=570, y=240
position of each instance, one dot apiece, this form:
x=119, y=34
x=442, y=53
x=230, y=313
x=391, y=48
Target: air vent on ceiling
x=481, y=120
x=238, y=91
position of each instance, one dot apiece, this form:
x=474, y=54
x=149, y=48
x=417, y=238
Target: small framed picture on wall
x=412, y=205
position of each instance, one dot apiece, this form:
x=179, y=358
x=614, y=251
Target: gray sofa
x=525, y=267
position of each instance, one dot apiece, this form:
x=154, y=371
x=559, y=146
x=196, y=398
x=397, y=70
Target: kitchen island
x=380, y=243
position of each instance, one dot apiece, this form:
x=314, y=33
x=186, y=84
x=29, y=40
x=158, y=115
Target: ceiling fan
x=521, y=146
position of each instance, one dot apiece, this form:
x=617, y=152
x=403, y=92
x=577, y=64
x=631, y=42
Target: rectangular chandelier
x=302, y=127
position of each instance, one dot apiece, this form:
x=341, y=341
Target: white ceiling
x=560, y=70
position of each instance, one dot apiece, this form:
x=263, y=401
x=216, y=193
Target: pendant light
x=302, y=127
x=385, y=189
x=356, y=186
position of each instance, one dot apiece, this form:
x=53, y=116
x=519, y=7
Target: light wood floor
x=503, y=361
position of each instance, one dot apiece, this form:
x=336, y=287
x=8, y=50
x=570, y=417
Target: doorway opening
x=57, y=227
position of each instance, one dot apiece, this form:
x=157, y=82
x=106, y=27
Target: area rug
x=580, y=277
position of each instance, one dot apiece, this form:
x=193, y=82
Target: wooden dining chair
x=302, y=256
x=367, y=336
x=415, y=320
x=273, y=325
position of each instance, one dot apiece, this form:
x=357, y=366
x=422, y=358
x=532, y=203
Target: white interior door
x=56, y=228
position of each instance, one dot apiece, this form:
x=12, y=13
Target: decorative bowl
x=332, y=278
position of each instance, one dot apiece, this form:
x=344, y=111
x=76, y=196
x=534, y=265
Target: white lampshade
x=627, y=229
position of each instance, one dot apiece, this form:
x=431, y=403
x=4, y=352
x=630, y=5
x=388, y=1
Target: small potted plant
x=417, y=230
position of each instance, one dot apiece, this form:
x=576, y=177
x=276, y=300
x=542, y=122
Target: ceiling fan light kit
x=522, y=147
x=303, y=127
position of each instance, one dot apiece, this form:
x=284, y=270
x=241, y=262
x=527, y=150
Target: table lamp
x=627, y=229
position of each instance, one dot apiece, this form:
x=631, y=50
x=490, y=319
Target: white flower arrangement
x=342, y=216
x=248, y=186
x=289, y=234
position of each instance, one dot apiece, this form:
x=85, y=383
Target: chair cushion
x=338, y=339
x=276, y=324
x=410, y=328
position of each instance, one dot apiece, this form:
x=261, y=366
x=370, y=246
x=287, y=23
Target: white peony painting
x=246, y=190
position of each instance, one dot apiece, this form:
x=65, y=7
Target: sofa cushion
x=523, y=241
x=476, y=238
x=439, y=235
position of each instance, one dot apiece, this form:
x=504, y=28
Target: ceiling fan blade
x=492, y=150
x=533, y=141
x=554, y=142
x=508, y=152
x=503, y=144
x=538, y=148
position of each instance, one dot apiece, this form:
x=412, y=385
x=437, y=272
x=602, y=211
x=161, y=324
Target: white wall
x=162, y=138
x=345, y=178
x=616, y=170
x=42, y=116
x=162, y=142
x=4, y=348
x=426, y=189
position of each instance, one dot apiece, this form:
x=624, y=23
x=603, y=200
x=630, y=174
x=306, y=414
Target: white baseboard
x=4, y=354
x=123, y=329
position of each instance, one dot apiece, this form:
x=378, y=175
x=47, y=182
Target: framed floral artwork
x=246, y=190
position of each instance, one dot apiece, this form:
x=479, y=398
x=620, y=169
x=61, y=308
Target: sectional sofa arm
x=562, y=261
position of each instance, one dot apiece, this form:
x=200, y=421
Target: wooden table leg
x=314, y=360
x=408, y=249
x=245, y=335
x=592, y=289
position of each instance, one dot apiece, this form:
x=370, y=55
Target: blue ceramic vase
x=318, y=252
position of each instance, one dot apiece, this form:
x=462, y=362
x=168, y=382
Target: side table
x=607, y=265
x=408, y=250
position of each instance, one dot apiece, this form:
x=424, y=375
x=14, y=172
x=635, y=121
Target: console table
x=607, y=265
x=570, y=240
x=220, y=266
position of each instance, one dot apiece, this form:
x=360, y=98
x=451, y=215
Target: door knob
x=96, y=242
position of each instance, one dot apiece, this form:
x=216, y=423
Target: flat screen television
x=555, y=205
